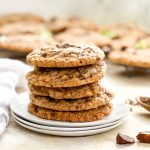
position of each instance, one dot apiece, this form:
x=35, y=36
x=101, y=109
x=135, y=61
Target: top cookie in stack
x=65, y=83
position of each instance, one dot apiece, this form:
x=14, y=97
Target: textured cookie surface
x=24, y=43
x=102, y=98
x=66, y=77
x=65, y=55
x=131, y=57
x=71, y=116
x=66, y=93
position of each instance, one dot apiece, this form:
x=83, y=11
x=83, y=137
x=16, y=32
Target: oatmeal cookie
x=86, y=103
x=68, y=92
x=65, y=55
x=66, y=77
x=131, y=57
x=71, y=116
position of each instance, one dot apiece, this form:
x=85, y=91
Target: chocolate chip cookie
x=131, y=57
x=71, y=116
x=80, y=104
x=67, y=93
x=65, y=55
x=66, y=77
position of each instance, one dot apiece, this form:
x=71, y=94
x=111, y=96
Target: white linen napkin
x=12, y=74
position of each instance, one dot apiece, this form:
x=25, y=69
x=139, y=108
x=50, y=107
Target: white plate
x=66, y=133
x=64, y=128
x=19, y=107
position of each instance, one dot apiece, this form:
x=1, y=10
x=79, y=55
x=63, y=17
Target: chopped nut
x=124, y=139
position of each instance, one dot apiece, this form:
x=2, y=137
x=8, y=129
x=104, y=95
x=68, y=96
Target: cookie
x=20, y=17
x=66, y=77
x=66, y=93
x=71, y=116
x=131, y=57
x=23, y=28
x=24, y=43
x=65, y=55
x=119, y=31
x=57, y=24
x=86, y=103
x=123, y=36
x=82, y=36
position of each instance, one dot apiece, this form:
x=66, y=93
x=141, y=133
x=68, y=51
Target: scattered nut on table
x=144, y=137
x=124, y=139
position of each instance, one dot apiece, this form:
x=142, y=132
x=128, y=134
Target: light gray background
x=102, y=11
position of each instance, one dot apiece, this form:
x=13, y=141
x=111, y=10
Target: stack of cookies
x=65, y=83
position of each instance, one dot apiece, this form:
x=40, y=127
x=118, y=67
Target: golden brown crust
x=74, y=116
x=66, y=77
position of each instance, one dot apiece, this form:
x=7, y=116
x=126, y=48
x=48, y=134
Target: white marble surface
x=18, y=138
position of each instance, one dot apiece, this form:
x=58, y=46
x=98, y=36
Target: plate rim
x=37, y=120
x=64, y=128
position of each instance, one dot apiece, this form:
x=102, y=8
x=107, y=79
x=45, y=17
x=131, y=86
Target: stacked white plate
x=27, y=120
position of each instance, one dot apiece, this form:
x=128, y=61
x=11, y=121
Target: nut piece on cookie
x=65, y=55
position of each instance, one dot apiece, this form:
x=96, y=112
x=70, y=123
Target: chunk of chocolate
x=144, y=137
x=124, y=139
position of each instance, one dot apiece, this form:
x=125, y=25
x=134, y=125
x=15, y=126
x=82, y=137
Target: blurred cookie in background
x=23, y=28
x=123, y=35
x=136, y=59
x=58, y=24
x=24, y=43
x=82, y=36
x=20, y=17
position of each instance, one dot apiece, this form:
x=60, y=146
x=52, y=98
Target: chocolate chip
x=123, y=48
x=44, y=55
x=124, y=139
x=67, y=46
x=144, y=137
